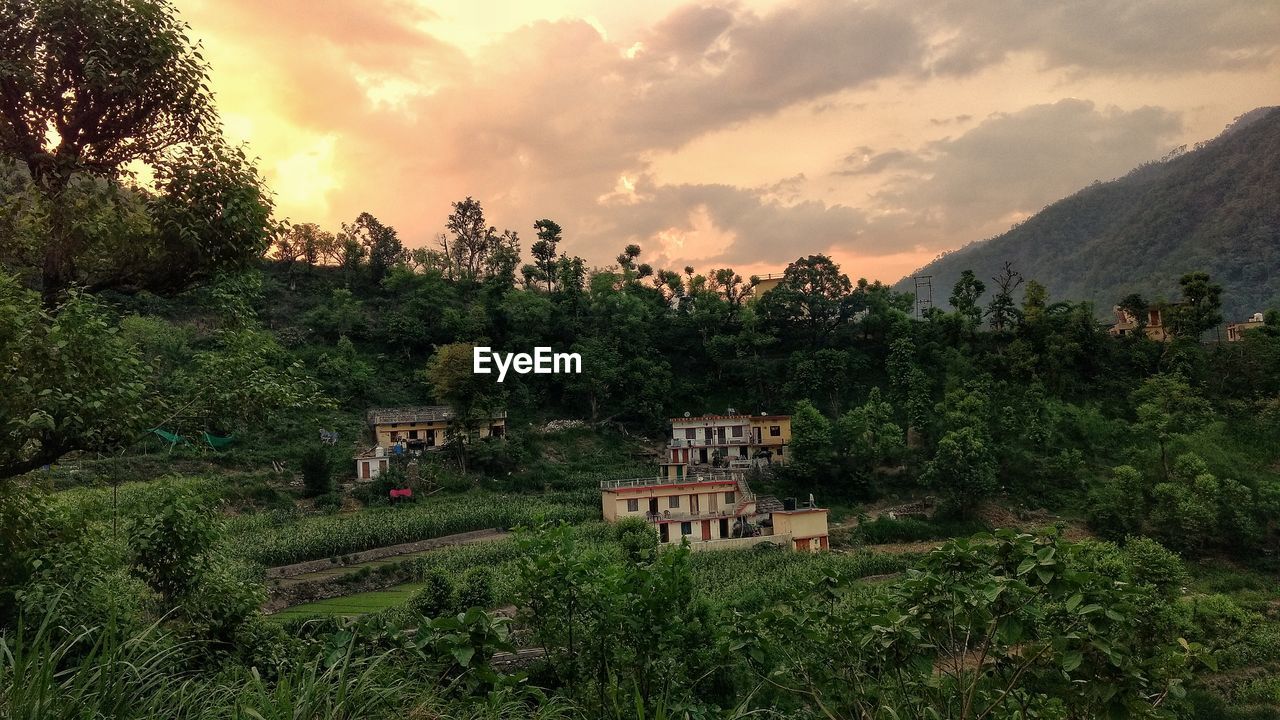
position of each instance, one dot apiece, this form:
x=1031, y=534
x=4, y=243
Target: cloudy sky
x=739, y=134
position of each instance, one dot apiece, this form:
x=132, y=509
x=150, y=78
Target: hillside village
x=251, y=469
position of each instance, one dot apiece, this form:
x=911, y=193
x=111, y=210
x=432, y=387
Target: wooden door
x=706, y=530
x=364, y=470
x=802, y=545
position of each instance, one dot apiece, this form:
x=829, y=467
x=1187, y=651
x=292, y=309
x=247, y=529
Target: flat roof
x=697, y=418
x=418, y=413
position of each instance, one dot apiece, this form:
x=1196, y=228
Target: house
x=738, y=440
x=1153, y=326
x=370, y=464
x=761, y=284
x=424, y=427
x=1235, y=331
x=713, y=510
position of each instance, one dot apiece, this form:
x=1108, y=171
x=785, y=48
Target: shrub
x=1150, y=563
x=317, y=472
x=475, y=590
x=436, y=597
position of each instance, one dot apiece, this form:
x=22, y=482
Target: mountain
x=1215, y=208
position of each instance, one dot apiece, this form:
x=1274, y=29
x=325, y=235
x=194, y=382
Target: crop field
x=271, y=541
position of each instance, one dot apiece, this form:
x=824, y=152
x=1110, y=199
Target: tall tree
x=812, y=295
x=1201, y=306
x=88, y=87
x=544, y=250
x=381, y=245
x=964, y=298
x=1002, y=311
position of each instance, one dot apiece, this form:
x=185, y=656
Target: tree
x=380, y=242
x=1168, y=407
x=450, y=373
x=964, y=298
x=91, y=87
x=810, y=438
x=812, y=295
x=71, y=382
x=544, y=250
x=1201, y=306
x=1002, y=312
x=963, y=469
x=317, y=472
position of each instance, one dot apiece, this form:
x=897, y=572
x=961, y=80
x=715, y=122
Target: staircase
x=745, y=497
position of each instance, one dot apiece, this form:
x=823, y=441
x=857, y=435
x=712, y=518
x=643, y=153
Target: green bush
x=317, y=472
x=475, y=590
x=1150, y=563
x=436, y=597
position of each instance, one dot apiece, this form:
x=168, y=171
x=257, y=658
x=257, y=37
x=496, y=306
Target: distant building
x=371, y=463
x=424, y=427
x=761, y=284
x=713, y=510
x=739, y=440
x=1235, y=331
x=1127, y=324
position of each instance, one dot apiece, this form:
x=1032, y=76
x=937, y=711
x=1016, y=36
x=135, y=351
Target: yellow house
x=712, y=510
x=739, y=440
x=761, y=284
x=1236, y=331
x=424, y=427
x=1127, y=324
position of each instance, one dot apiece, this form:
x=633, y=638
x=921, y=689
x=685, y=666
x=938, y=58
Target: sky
x=728, y=134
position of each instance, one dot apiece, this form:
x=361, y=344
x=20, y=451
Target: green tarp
x=173, y=439
x=217, y=443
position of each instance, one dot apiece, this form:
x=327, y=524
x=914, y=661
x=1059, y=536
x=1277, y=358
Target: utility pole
x=923, y=304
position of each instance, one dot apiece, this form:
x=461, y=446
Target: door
x=715, y=503
x=724, y=527
x=706, y=530
x=664, y=532
x=364, y=470
x=693, y=504
x=431, y=438
x=653, y=508
x=802, y=545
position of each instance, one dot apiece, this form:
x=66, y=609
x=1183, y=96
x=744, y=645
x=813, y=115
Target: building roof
x=701, y=418
x=768, y=504
x=420, y=413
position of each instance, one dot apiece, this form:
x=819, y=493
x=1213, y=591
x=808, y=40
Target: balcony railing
x=704, y=442
x=709, y=477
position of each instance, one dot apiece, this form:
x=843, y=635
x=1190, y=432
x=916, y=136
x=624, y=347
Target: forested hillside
x=184, y=382
x=1214, y=208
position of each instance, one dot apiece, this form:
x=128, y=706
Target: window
x=691, y=434
x=775, y=430
x=730, y=497
x=395, y=436
x=737, y=431
x=686, y=528
x=673, y=501
x=413, y=434
x=778, y=452
x=633, y=505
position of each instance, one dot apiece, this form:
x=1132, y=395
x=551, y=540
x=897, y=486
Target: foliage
x=72, y=383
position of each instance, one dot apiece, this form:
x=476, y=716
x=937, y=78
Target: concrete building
x=1236, y=331
x=737, y=440
x=761, y=284
x=713, y=510
x=424, y=427
x=371, y=463
x=1153, y=326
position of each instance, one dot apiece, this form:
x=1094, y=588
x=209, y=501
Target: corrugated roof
x=420, y=413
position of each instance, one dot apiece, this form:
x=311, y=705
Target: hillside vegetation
x=1214, y=208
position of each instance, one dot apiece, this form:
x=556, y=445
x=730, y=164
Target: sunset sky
x=740, y=134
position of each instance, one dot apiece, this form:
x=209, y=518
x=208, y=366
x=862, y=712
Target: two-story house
x=739, y=440
x=713, y=510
